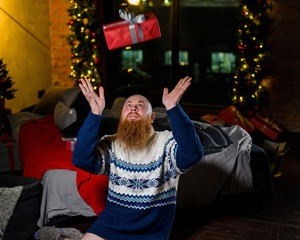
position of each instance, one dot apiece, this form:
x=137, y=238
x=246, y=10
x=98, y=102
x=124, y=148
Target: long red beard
x=134, y=134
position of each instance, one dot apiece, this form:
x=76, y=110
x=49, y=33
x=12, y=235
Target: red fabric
x=117, y=34
x=41, y=148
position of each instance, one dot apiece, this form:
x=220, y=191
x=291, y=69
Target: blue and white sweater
x=142, y=184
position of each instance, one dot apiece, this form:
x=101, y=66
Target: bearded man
x=143, y=165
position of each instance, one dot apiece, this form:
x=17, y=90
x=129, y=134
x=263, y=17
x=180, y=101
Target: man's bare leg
x=91, y=236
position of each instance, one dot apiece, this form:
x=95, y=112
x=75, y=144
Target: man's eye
x=140, y=105
x=129, y=105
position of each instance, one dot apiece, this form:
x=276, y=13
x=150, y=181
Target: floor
x=239, y=218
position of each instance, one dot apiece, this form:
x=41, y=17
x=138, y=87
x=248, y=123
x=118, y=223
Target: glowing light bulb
x=134, y=2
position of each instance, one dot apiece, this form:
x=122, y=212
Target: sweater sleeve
x=190, y=149
x=85, y=155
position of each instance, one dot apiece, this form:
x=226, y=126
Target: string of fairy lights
x=252, y=53
x=84, y=41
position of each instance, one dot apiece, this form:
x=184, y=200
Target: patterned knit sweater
x=142, y=184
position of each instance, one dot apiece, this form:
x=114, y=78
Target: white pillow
x=64, y=116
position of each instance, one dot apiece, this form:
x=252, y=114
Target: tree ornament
x=85, y=21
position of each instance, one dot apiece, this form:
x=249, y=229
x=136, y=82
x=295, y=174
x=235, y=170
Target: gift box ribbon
x=245, y=122
x=132, y=20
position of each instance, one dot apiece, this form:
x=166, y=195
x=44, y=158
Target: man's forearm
x=190, y=149
x=84, y=155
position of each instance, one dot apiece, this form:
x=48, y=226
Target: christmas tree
x=6, y=90
x=252, y=54
x=84, y=41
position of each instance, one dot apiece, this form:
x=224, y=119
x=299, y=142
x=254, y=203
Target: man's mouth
x=133, y=116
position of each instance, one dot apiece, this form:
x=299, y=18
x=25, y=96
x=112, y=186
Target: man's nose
x=133, y=108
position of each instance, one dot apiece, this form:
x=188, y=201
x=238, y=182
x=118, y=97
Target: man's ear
x=152, y=117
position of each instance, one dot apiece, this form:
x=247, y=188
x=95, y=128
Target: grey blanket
x=213, y=138
x=8, y=201
x=60, y=196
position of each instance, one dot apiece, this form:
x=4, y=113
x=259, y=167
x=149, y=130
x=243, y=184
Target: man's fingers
x=166, y=91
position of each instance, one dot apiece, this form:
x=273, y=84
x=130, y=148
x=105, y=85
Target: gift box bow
x=132, y=20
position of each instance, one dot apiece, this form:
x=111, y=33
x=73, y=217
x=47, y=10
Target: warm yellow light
x=129, y=70
x=128, y=47
x=134, y=2
x=234, y=90
x=89, y=72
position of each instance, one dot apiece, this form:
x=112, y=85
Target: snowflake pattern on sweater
x=141, y=179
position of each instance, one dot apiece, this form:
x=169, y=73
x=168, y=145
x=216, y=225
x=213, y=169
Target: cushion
x=64, y=116
x=117, y=107
x=53, y=95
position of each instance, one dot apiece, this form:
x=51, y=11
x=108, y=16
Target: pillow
x=17, y=119
x=117, y=106
x=64, y=116
x=53, y=95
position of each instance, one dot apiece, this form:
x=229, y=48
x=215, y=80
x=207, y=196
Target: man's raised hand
x=96, y=102
x=171, y=99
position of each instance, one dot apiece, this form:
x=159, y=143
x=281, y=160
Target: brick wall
x=60, y=49
x=284, y=92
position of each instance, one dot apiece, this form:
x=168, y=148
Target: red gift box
x=267, y=126
x=133, y=29
x=70, y=143
x=232, y=116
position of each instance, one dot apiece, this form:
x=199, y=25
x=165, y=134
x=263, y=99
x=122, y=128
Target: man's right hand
x=97, y=103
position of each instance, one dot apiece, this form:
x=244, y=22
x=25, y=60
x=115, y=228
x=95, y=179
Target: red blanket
x=41, y=148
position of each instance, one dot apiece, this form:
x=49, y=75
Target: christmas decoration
x=6, y=90
x=84, y=41
x=252, y=54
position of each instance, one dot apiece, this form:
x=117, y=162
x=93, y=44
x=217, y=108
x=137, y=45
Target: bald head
x=137, y=107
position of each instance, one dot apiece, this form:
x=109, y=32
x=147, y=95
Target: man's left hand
x=171, y=99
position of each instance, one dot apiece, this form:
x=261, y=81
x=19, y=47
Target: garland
x=84, y=41
x=252, y=55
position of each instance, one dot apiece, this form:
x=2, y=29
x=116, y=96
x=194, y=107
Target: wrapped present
x=133, y=29
x=70, y=143
x=232, y=116
x=267, y=126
